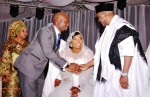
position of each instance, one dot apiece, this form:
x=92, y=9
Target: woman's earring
x=70, y=45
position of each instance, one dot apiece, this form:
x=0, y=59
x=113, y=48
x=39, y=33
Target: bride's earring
x=70, y=45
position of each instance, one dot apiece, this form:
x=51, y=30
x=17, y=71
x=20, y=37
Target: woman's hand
x=74, y=91
x=57, y=82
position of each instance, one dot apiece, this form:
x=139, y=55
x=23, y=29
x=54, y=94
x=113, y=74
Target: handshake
x=74, y=68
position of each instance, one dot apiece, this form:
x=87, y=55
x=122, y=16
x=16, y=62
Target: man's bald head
x=61, y=21
x=59, y=15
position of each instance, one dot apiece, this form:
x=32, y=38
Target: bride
x=67, y=84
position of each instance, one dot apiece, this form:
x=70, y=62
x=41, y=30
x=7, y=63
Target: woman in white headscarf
x=73, y=85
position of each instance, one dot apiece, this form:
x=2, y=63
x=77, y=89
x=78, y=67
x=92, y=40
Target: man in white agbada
x=148, y=55
x=120, y=66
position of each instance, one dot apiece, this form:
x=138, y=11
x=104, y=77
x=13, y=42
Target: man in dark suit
x=33, y=59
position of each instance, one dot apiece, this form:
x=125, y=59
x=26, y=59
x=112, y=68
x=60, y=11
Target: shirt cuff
x=64, y=67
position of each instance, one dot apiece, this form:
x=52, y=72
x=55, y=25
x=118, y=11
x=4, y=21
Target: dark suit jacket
x=34, y=58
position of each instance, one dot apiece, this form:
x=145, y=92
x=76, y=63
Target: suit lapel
x=54, y=35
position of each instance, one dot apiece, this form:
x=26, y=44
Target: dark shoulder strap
x=121, y=34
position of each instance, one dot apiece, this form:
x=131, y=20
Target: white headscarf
x=69, y=39
x=85, y=53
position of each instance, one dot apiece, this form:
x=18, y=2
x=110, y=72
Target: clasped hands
x=76, y=68
x=72, y=67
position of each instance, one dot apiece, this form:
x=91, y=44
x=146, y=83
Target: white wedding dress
x=85, y=78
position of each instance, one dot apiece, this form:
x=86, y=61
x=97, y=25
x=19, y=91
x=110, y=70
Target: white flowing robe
x=148, y=55
x=138, y=73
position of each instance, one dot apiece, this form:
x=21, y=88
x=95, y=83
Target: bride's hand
x=57, y=82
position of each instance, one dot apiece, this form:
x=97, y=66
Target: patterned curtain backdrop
x=135, y=2
x=85, y=21
x=33, y=24
x=3, y=33
x=82, y=20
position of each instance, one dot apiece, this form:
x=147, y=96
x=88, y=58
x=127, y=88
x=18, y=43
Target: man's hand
x=87, y=65
x=84, y=67
x=124, y=82
x=57, y=82
x=73, y=67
